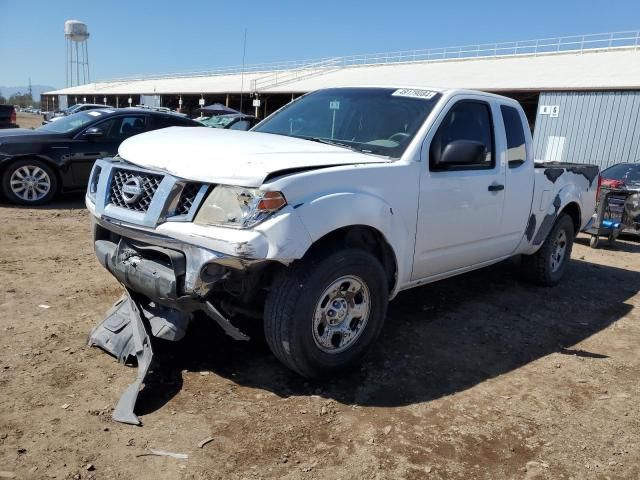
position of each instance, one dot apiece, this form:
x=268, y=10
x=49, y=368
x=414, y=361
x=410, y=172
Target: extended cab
x=321, y=214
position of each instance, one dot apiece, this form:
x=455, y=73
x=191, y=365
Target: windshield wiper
x=327, y=141
x=337, y=143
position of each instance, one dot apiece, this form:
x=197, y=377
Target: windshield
x=218, y=122
x=624, y=172
x=72, y=122
x=72, y=108
x=379, y=121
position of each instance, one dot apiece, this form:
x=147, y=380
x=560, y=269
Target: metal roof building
x=598, y=77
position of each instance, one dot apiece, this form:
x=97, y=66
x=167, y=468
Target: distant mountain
x=36, y=89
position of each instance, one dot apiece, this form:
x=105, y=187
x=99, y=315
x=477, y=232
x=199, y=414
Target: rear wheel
x=323, y=314
x=547, y=265
x=29, y=182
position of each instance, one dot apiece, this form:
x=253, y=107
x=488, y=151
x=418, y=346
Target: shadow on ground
x=438, y=339
x=625, y=243
x=67, y=201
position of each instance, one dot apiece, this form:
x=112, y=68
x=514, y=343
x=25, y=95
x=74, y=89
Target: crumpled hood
x=229, y=156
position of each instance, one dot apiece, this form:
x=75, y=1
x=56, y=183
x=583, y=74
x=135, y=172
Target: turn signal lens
x=271, y=201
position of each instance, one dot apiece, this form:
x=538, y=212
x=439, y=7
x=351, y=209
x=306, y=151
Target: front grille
x=147, y=182
x=187, y=197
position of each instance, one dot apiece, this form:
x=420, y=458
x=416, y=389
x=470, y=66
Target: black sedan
x=57, y=157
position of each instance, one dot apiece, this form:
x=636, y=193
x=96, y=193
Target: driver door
x=460, y=205
x=90, y=148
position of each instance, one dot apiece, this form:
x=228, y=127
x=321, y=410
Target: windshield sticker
x=414, y=93
x=93, y=113
x=334, y=105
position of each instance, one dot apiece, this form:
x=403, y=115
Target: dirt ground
x=28, y=120
x=481, y=376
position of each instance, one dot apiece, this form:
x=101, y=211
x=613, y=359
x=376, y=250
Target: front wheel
x=29, y=182
x=547, y=265
x=323, y=314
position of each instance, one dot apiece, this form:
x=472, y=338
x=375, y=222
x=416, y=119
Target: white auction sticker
x=93, y=113
x=414, y=93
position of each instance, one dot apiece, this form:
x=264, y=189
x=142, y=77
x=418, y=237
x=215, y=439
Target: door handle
x=496, y=187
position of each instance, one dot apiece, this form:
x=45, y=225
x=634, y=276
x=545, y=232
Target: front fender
x=331, y=212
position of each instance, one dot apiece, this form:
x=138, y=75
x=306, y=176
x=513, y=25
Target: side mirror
x=463, y=152
x=93, y=132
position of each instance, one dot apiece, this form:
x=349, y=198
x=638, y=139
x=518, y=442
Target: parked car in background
x=622, y=175
x=234, y=121
x=8, y=116
x=37, y=164
x=77, y=108
x=162, y=109
x=626, y=176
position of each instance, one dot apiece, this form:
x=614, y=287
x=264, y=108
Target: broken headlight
x=238, y=207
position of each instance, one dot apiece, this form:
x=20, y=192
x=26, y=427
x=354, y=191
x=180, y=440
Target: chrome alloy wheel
x=341, y=314
x=30, y=183
x=559, y=250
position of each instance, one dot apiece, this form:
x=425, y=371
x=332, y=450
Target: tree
x=2, y=99
x=22, y=99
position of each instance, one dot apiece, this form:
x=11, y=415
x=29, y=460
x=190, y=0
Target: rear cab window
x=514, y=129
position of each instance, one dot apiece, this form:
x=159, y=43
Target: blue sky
x=155, y=36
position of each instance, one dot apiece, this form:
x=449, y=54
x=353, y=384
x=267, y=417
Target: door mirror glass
x=463, y=152
x=93, y=132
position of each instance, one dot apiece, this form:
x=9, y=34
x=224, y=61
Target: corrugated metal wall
x=602, y=128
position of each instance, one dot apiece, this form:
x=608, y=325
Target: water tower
x=76, y=35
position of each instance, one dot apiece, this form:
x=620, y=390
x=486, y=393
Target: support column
x=227, y=101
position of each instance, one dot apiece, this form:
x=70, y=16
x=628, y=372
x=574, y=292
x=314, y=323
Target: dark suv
x=7, y=116
x=37, y=164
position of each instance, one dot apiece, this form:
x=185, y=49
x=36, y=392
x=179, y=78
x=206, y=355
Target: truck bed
x=553, y=182
x=553, y=170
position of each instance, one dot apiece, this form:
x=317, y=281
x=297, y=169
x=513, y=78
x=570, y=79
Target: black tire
x=538, y=268
x=28, y=163
x=292, y=302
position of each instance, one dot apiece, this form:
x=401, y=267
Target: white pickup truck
x=321, y=214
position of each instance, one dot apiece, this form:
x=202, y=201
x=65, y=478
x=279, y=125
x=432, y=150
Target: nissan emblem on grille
x=131, y=190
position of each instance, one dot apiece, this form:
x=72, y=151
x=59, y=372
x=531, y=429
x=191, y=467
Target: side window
x=467, y=127
x=164, y=121
x=120, y=128
x=515, y=136
x=241, y=125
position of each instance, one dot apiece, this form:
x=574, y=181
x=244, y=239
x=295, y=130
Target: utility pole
x=244, y=53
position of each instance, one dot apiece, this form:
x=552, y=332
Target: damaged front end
x=165, y=286
x=173, y=267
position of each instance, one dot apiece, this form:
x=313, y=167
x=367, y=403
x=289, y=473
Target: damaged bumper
x=171, y=267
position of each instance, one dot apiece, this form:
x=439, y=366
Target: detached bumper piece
x=126, y=332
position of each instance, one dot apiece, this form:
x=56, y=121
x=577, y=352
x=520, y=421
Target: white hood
x=230, y=156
